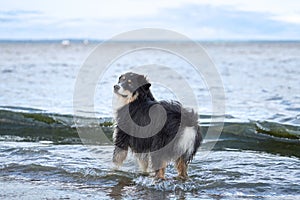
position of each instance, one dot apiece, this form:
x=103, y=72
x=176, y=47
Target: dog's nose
x=116, y=87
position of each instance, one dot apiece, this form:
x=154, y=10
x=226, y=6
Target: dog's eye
x=122, y=78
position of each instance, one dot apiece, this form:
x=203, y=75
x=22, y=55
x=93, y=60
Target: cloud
x=16, y=15
x=222, y=22
x=198, y=21
x=229, y=21
x=291, y=18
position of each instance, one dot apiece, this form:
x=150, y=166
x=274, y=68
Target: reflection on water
x=68, y=170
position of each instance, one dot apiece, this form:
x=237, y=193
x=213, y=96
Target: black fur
x=168, y=137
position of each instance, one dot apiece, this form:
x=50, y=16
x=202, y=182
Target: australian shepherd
x=157, y=132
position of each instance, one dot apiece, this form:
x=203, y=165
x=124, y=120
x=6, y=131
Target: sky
x=197, y=19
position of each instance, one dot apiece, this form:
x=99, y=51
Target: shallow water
x=261, y=79
x=37, y=171
x=256, y=157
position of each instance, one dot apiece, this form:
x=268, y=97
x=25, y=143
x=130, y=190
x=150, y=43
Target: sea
x=252, y=150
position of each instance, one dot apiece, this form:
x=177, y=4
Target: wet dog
x=157, y=132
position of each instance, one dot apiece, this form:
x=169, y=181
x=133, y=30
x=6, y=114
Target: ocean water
x=257, y=155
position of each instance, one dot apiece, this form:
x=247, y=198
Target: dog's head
x=132, y=86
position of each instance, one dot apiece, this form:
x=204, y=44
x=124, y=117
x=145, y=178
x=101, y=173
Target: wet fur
x=180, y=136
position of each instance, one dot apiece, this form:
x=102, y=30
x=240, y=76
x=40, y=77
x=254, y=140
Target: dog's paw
x=181, y=178
x=145, y=174
x=159, y=178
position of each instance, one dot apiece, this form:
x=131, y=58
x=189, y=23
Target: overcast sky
x=197, y=19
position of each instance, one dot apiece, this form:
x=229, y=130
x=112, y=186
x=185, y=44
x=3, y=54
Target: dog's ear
x=142, y=80
x=146, y=86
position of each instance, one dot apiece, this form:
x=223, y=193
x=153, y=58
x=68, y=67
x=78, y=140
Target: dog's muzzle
x=116, y=90
x=116, y=87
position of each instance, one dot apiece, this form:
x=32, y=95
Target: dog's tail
x=188, y=157
x=199, y=138
x=189, y=118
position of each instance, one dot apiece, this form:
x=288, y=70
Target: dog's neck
x=119, y=103
x=150, y=96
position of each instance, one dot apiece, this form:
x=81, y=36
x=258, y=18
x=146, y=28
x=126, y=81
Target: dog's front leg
x=121, y=147
x=160, y=173
x=119, y=156
x=143, y=160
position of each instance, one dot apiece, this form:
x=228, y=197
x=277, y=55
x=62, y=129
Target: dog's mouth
x=122, y=95
x=116, y=90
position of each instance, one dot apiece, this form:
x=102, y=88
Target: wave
x=32, y=125
x=38, y=172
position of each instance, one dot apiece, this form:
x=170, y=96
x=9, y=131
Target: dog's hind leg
x=182, y=166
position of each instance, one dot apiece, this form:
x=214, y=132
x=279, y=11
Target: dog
x=157, y=132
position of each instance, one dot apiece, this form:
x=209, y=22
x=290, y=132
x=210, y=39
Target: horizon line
x=85, y=40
